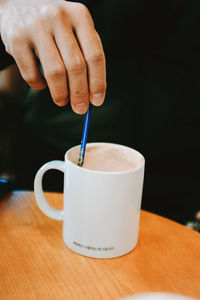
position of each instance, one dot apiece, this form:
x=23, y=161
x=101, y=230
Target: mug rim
x=141, y=165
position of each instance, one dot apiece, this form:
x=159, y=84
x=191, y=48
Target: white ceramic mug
x=101, y=209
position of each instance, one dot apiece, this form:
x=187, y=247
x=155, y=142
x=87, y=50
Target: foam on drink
x=106, y=158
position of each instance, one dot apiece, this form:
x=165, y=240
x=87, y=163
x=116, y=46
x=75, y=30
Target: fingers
x=76, y=69
x=94, y=56
x=83, y=56
x=53, y=67
x=27, y=65
x=92, y=49
x=70, y=51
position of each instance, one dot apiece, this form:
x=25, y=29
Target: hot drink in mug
x=102, y=199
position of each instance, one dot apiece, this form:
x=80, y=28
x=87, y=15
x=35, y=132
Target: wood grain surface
x=36, y=264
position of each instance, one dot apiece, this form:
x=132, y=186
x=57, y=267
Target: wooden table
x=36, y=264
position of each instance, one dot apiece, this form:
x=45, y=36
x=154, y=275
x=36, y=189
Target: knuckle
x=31, y=78
x=102, y=86
x=99, y=88
x=55, y=12
x=16, y=38
x=79, y=94
x=15, y=44
x=96, y=57
x=83, y=9
x=55, y=71
x=77, y=66
x=35, y=26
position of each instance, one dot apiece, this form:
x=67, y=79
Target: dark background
x=152, y=104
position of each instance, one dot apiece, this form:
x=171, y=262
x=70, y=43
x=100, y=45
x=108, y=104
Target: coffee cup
x=101, y=207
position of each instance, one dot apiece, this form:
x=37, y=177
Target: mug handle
x=48, y=210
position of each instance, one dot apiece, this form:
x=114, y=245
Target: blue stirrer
x=84, y=137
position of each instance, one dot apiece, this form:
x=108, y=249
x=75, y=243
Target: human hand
x=62, y=35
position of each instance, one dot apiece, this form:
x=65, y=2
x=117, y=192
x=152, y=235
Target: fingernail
x=81, y=108
x=97, y=99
